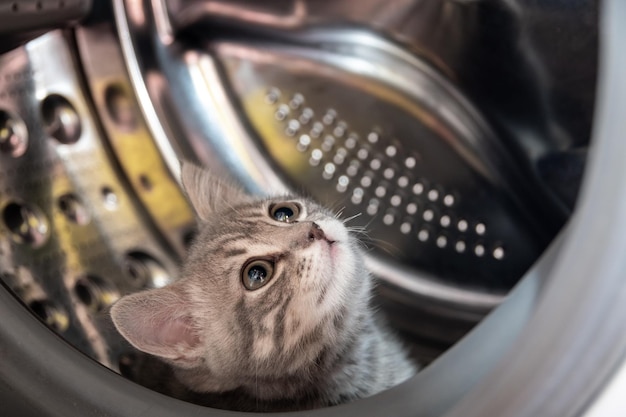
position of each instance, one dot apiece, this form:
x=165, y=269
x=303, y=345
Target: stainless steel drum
x=453, y=131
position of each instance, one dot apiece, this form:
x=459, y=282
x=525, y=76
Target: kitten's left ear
x=208, y=193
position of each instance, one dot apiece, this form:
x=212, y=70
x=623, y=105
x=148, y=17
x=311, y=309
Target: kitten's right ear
x=208, y=193
x=159, y=322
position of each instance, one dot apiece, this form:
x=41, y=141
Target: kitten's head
x=269, y=287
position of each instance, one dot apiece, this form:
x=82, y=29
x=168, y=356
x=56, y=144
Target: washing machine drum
x=455, y=132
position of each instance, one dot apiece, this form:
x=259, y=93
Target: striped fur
x=306, y=339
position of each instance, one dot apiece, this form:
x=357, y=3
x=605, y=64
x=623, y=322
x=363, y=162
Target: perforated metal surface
x=412, y=167
x=73, y=233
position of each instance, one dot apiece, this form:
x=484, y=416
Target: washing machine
x=479, y=143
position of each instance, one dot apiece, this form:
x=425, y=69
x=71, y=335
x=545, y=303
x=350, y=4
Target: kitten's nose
x=316, y=232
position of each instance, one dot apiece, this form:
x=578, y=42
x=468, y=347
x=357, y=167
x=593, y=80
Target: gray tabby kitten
x=271, y=311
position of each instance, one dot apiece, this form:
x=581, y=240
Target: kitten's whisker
x=357, y=228
x=339, y=213
x=369, y=222
x=359, y=231
x=385, y=246
x=347, y=219
x=333, y=206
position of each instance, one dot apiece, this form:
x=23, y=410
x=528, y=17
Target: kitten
x=272, y=308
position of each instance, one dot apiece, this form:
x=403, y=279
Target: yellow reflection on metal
x=280, y=146
x=145, y=168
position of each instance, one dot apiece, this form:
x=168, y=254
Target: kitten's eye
x=257, y=273
x=285, y=212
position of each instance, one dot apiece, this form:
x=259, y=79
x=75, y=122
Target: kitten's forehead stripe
x=279, y=324
x=228, y=239
x=247, y=333
x=252, y=223
x=258, y=310
x=263, y=330
x=235, y=252
x=285, y=289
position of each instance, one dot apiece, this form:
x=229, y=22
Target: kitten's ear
x=158, y=322
x=207, y=192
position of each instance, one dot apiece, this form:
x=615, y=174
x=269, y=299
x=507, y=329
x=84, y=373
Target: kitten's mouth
x=318, y=232
x=329, y=239
x=331, y=242
x=332, y=246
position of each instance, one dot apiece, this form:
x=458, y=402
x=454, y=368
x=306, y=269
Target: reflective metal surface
x=24, y=20
x=428, y=121
x=71, y=216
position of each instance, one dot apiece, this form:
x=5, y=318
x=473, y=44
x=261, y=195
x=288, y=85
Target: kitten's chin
x=335, y=251
x=334, y=242
x=337, y=257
